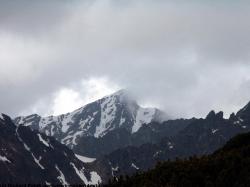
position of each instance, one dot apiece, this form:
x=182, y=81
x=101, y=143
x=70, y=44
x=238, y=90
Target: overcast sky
x=185, y=57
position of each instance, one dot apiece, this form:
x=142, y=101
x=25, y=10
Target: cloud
x=67, y=99
x=186, y=58
x=88, y=91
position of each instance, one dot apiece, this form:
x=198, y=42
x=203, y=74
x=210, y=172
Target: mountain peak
x=212, y=115
x=1, y=116
x=118, y=110
x=121, y=92
x=123, y=95
x=5, y=119
x=233, y=117
x=245, y=109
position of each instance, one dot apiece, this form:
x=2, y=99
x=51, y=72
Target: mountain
x=126, y=138
x=198, y=137
x=27, y=156
x=229, y=166
x=94, y=121
x=121, y=138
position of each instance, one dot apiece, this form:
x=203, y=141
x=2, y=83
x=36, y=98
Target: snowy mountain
x=27, y=156
x=125, y=138
x=116, y=111
x=197, y=137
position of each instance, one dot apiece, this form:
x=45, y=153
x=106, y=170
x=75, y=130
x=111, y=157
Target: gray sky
x=183, y=57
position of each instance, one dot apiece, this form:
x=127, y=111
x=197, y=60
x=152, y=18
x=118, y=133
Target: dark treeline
x=229, y=166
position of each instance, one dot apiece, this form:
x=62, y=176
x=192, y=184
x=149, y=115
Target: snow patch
x=66, y=122
x=1, y=116
x=157, y=153
x=83, y=123
x=62, y=121
x=244, y=109
x=20, y=121
x=28, y=124
x=134, y=166
x=21, y=140
x=42, y=140
x=47, y=183
x=26, y=147
x=61, y=178
x=237, y=122
x=170, y=145
x=241, y=120
x=85, y=159
x=214, y=131
x=80, y=173
x=29, y=117
x=75, y=136
x=4, y=159
x=37, y=161
x=95, y=178
x=25, y=121
x=122, y=121
x=108, y=111
x=143, y=116
x=52, y=132
x=44, y=122
x=114, y=170
x=71, y=139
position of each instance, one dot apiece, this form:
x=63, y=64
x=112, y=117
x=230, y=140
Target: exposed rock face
x=126, y=138
x=93, y=121
x=27, y=156
x=198, y=137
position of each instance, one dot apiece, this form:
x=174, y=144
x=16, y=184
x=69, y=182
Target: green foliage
x=229, y=166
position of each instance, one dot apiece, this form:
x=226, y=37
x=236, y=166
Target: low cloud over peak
x=186, y=58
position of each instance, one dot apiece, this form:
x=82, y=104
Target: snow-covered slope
x=85, y=159
x=28, y=156
x=95, y=119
